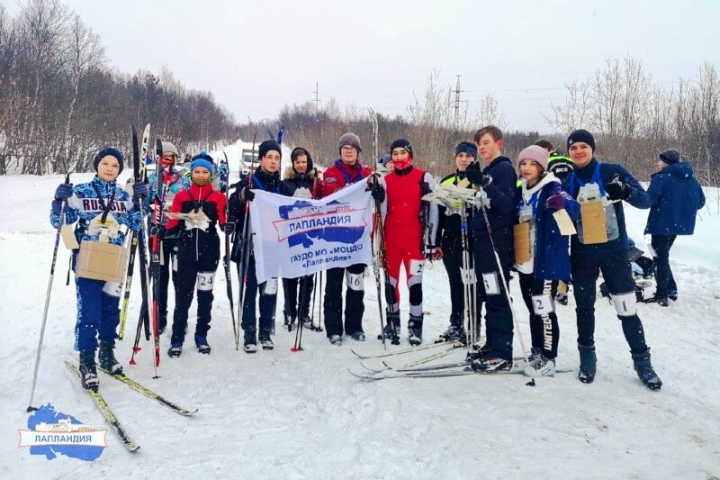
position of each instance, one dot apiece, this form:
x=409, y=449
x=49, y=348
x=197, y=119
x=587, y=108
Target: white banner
x=293, y=237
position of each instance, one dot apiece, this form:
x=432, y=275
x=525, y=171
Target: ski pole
x=30, y=408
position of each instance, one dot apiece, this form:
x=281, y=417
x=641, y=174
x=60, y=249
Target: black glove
x=617, y=190
x=247, y=194
x=141, y=190
x=229, y=228
x=63, y=191
x=476, y=177
x=376, y=190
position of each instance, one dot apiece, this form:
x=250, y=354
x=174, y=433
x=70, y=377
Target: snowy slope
x=302, y=415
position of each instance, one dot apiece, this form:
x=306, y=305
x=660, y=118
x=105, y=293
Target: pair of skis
x=415, y=370
x=109, y=415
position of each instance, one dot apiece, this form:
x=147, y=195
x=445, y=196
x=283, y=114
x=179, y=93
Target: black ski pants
x=544, y=329
x=452, y=259
x=297, y=293
x=663, y=273
x=354, y=300
x=190, y=273
x=617, y=273
x=493, y=291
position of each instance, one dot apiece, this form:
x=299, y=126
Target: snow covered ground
x=302, y=415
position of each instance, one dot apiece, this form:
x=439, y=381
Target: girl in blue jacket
x=538, y=197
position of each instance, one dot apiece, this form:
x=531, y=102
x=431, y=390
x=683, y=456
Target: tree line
x=60, y=101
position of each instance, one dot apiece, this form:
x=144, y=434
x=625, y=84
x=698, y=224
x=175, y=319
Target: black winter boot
x=392, y=328
x=645, y=371
x=588, y=363
x=108, y=362
x=88, y=373
x=415, y=325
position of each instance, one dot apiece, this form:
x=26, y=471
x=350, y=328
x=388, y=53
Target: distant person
x=676, y=196
x=601, y=246
x=560, y=166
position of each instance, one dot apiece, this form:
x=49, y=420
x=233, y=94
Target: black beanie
x=301, y=151
x=113, y=152
x=670, y=156
x=402, y=143
x=581, y=136
x=268, y=145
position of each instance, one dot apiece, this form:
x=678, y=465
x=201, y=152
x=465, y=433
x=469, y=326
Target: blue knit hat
x=113, y=152
x=466, y=147
x=202, y=159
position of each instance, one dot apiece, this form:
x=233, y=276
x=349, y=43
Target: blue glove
x=141, y=190
x=56, y=207
x=64, y=191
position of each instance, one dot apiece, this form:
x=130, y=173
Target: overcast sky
x=258, y=55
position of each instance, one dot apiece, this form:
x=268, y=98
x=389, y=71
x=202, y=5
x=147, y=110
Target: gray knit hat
x=169, y=147
x=350, y=139
x=670, y=156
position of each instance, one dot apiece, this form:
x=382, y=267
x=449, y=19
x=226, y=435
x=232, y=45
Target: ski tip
x=132, y=447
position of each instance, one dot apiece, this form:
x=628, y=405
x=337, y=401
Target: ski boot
x=454, y=333
x=250, y=342
x=392, y=328
x=202, y=345
x=335, y=340
x=415, y=325
x=175, y=349
x=561, y=298
x=108, y=362
x=88, y=372
x=644, y=369
x=289, y=320
x=358, y=336
x=662, y=301
x=490, y=363
x=539, y=365
x=588, y=363
x=673, y=295
x=265, y=341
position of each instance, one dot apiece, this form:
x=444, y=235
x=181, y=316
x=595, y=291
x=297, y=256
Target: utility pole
x=317, y=99
x=457, y=103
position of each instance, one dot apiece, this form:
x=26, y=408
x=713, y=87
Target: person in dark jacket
x=451, y=242
x=194, y=214
x=542, y=257
x=497, y=181
x=676, y=196
x=301, y=180
x=601, y=245
x=266, y=178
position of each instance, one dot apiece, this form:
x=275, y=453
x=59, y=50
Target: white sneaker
x=335, y=340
